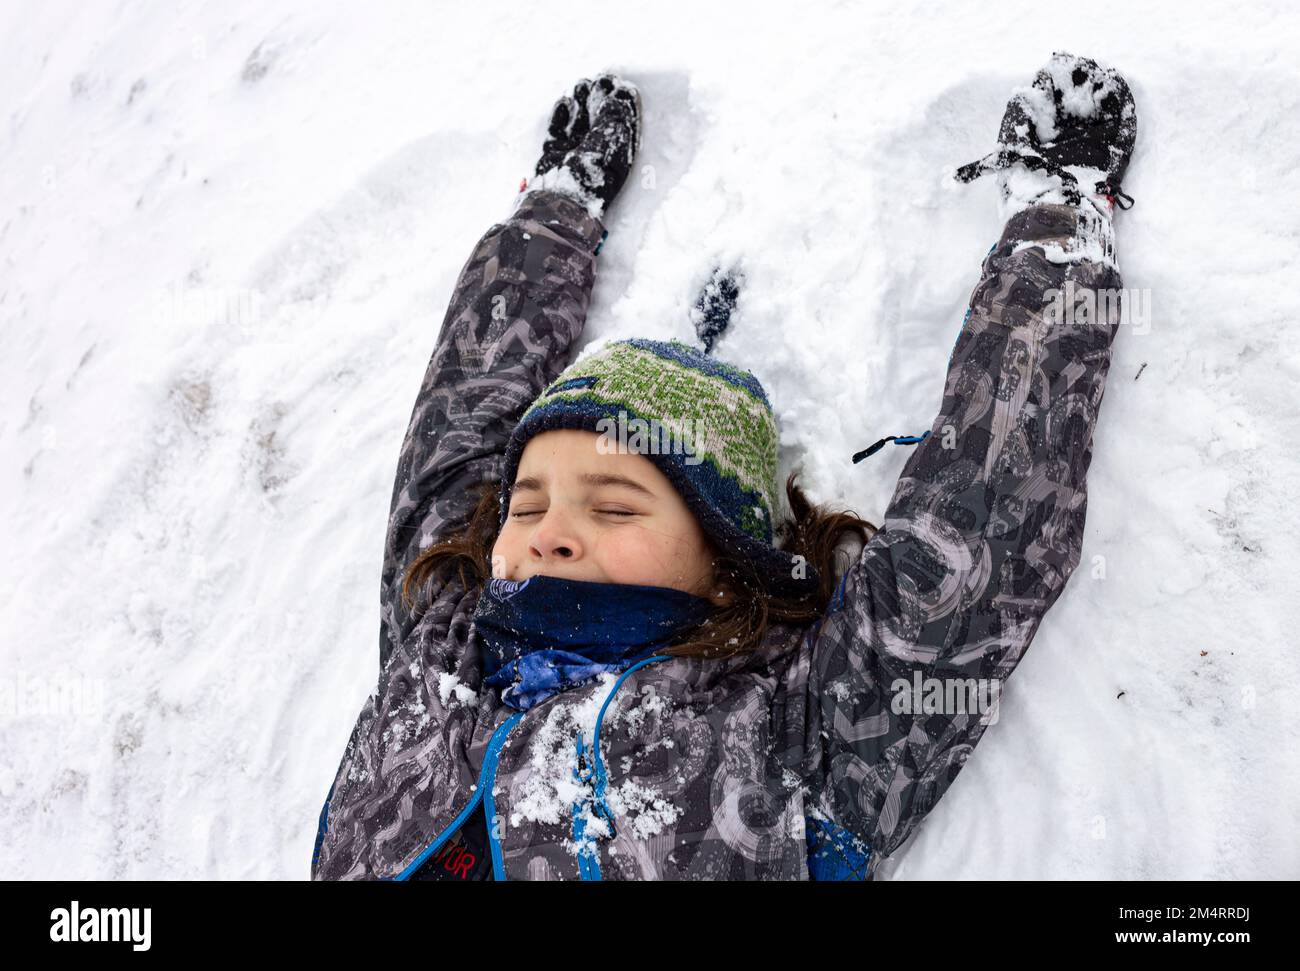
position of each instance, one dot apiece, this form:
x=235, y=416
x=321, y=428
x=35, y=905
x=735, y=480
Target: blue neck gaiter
x=545, y=634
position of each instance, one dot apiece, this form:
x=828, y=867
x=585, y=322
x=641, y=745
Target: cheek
x=642, y=554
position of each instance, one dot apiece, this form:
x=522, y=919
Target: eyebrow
x=533, y=484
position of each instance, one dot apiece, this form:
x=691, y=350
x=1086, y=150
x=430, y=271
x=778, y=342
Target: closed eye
x=604, y=512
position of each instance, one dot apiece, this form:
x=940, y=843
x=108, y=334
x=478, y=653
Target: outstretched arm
x=518, y=306
x=980, y=537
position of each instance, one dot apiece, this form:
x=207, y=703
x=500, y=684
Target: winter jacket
x=800, y=760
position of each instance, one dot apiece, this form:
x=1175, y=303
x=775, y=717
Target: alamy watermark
x=125, y=924
x=63, y=697
x=641, y=436
x=1079, y=306
x=947, y=696
x=236, y=308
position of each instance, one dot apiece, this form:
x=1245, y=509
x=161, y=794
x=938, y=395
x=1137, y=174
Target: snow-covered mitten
x=592, y=138
x=1066, y=139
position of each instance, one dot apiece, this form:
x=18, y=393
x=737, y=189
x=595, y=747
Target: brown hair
x=813, y=532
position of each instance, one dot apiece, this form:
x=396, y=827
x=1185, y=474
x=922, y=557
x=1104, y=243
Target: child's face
x=632, y=528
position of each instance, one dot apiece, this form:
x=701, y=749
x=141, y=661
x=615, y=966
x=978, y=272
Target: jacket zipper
x=588, y=859
x=486, y=778
x=586, y=855
x=489, y=801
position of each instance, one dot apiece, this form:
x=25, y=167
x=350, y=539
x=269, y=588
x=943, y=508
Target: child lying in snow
x=606, y=666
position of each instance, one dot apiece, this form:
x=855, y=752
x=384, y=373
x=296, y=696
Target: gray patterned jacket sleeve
x=519, y=305
x=979, y=539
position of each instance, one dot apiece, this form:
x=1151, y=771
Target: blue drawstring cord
x=896, y=439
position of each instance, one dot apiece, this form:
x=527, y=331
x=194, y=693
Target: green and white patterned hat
x=706, y=425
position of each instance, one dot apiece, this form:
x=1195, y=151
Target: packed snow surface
x=229, y=233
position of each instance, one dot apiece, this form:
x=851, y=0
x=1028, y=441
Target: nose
x=554, y=539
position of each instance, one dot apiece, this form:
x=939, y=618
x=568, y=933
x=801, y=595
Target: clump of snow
x=561, y=179
x=1022, y=187
x=1081, y=100
x=1041, y=108
x=839, y=690
x=551, y=788
x=630, y=709
x=408, y=721
x=357, y=773
x=641, y=807
x=638, y=806
x=449, y=684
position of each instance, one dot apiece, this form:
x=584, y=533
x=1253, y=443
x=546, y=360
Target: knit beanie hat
x=706, y=425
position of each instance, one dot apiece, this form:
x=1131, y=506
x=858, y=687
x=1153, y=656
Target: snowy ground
x=228, y=234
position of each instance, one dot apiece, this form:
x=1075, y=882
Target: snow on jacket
x=746, y=767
